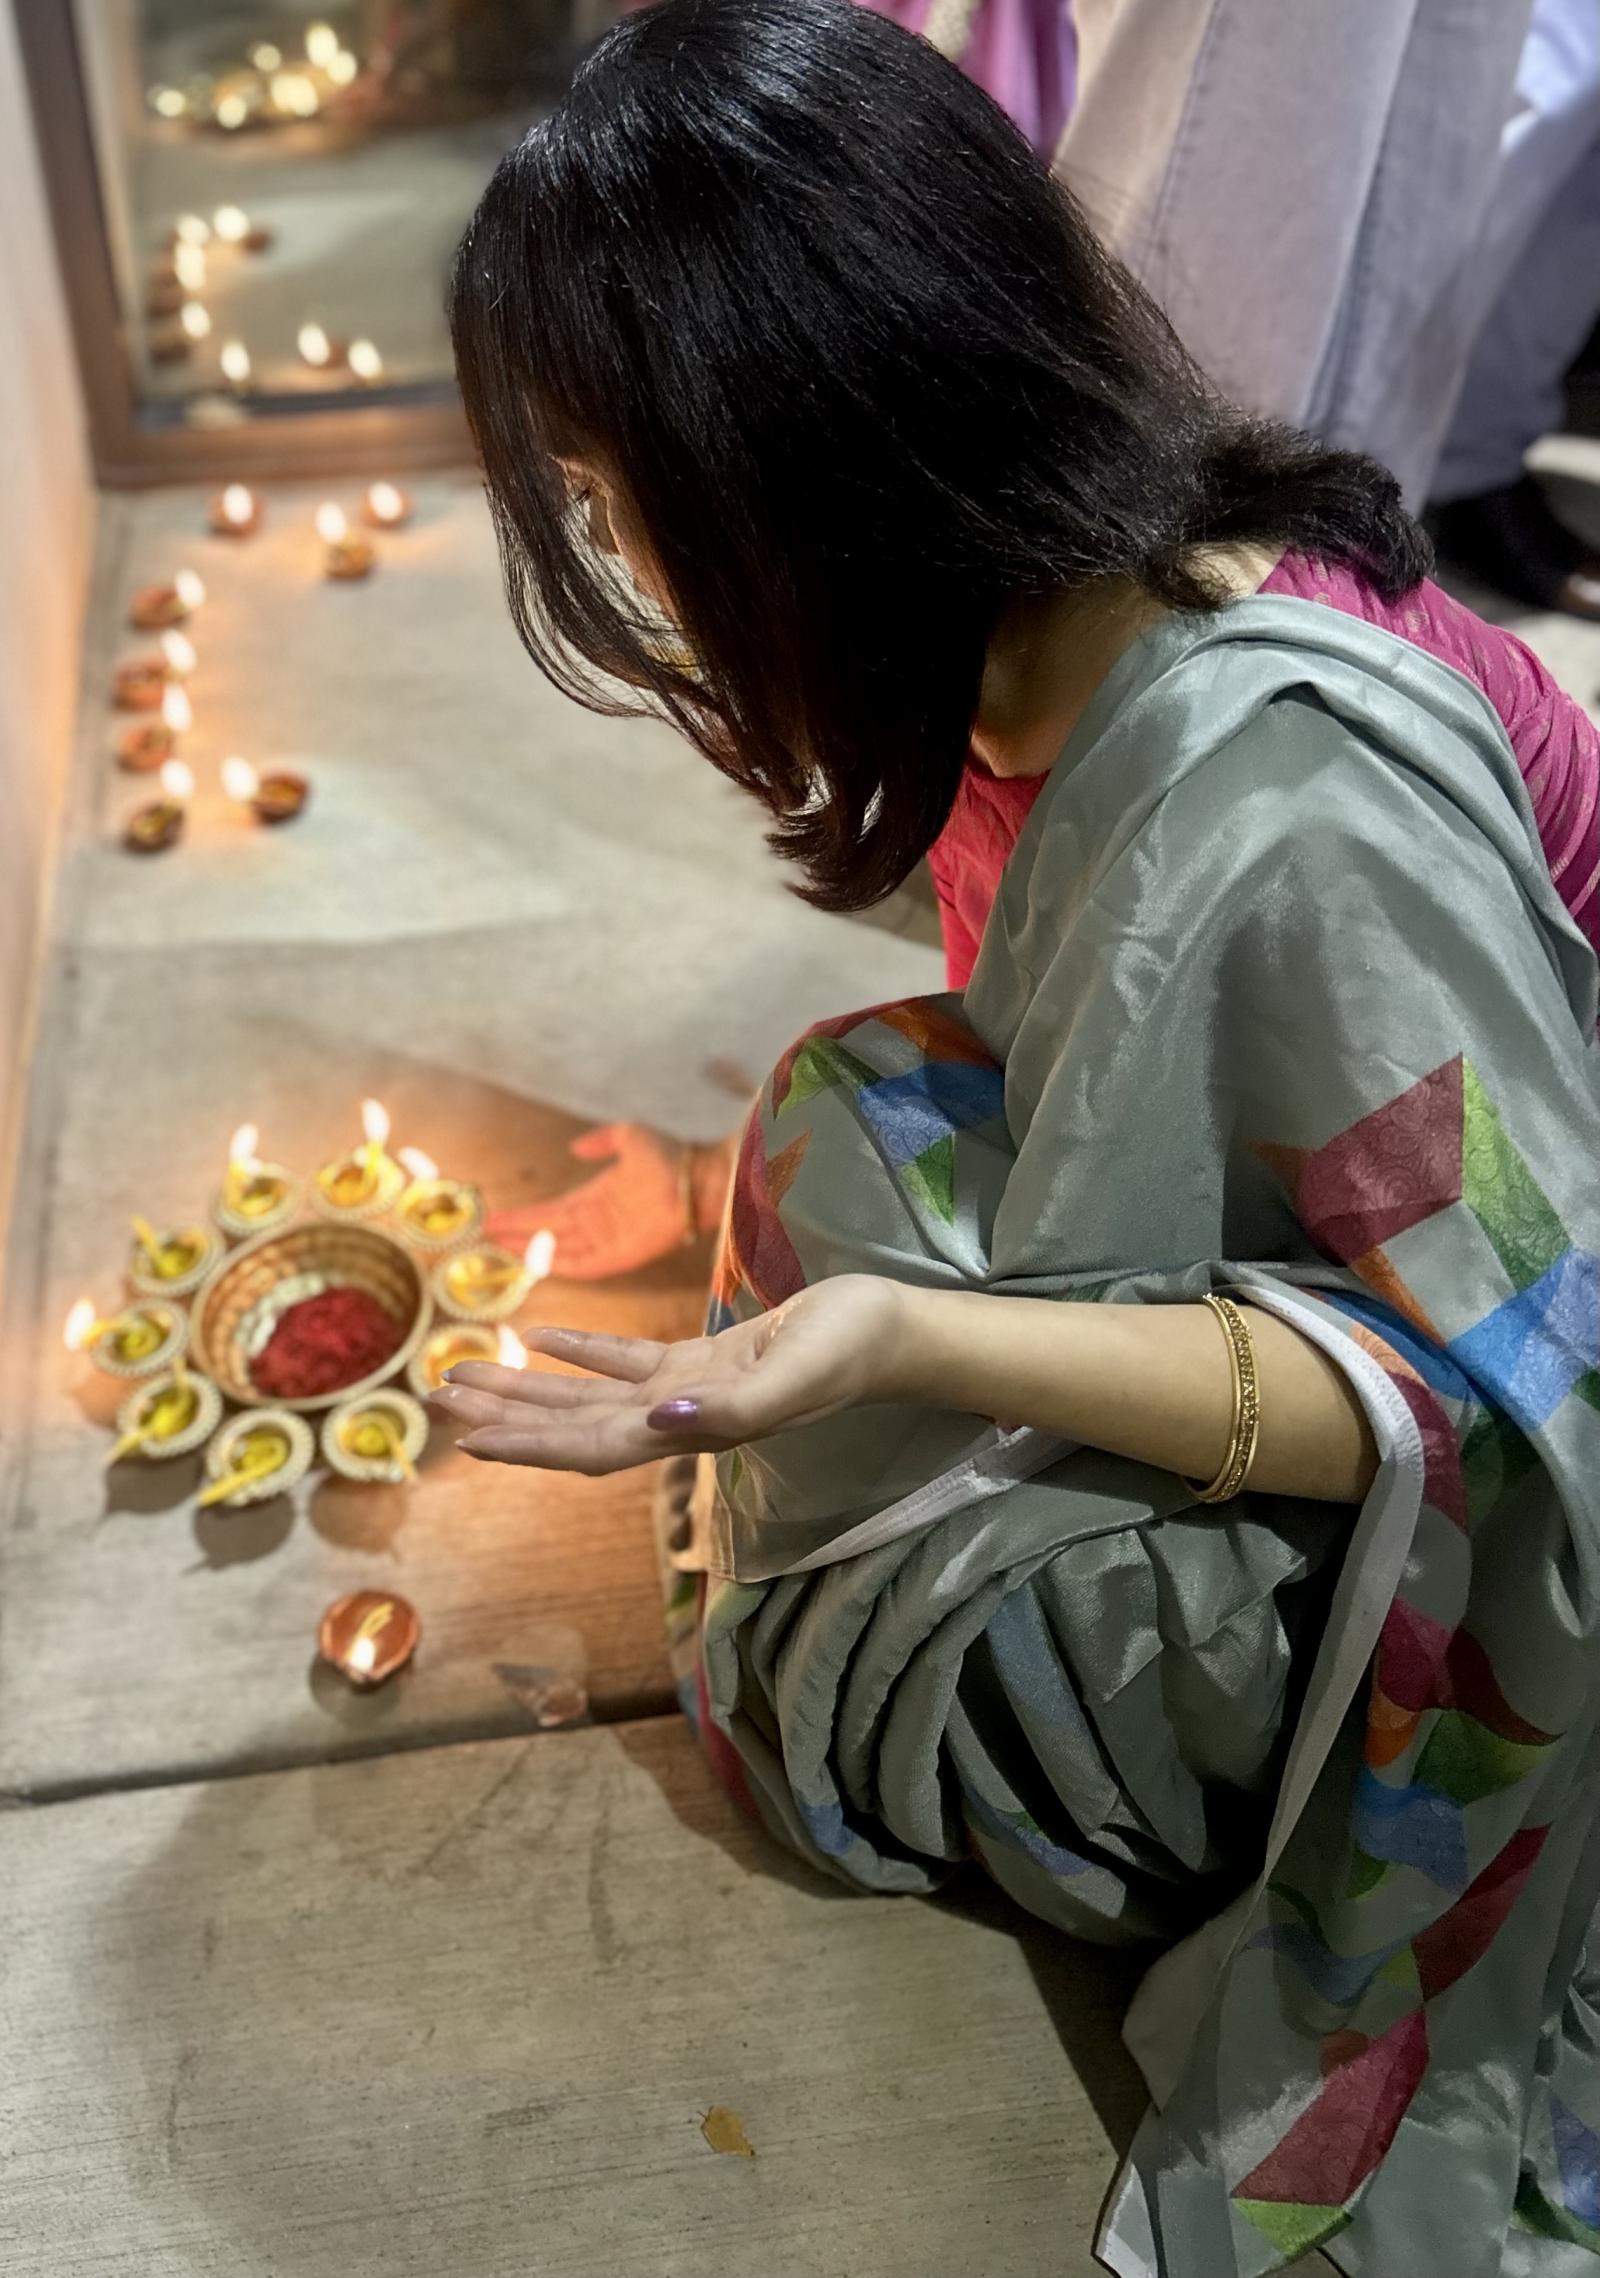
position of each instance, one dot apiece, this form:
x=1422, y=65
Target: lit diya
x=172, y=1264
x=461, y=1341
x=140, y=684
x=369, y=1635
x=365, y=362
x=255, y=1197
x=386, y=506
x=377, y=1437
x=149, y=830
x=169, y=1416
x=275, y=798
x=346, y=554
x=434, y=1213
x=256, y=1457
x=142, y=749
x=366, y=1182
x=155, y=607
x=236, y=511
x=318, y=349
x=486, y=1283
x=140, y=1341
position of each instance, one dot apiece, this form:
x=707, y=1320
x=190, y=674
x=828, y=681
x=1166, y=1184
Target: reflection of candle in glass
x=235, y=363
x=167, y=102
x=231, y=111
x=365, y=361
x=236, y=511
x=189, y=267
x=386, y=506
x=294, y=94
x=322, y=45
x=347, y=554
x=318, y=349
x=232, y=224
x=153, y=828
x=195, y=320
x=265, y=56
x=342, y=68
x=191, y=229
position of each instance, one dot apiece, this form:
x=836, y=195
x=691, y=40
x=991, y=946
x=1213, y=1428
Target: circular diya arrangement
x=297, y=1325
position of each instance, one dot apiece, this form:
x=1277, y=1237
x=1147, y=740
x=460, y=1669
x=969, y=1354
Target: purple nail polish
x=671, y=1413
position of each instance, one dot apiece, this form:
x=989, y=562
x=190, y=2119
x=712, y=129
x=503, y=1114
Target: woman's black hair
x=865, y=375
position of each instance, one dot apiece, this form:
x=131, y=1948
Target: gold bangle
x=1235, y=1472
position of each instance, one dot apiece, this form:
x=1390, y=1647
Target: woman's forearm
x=1152, y=1382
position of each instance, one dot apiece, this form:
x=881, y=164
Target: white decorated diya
x=167, y=1416
x=366, y=1183
x=140, y=1341
x=255, y=1197
x=256, y=1456
x=436, y=1213
x=377, y=1437
x=171, y=1264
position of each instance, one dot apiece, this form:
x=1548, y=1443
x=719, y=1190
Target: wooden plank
x=459, y=2014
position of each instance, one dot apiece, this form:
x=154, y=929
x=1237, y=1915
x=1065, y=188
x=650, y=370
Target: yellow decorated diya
x=171, y=1264
x=140, y=1341
x=255, y=1197
x=436, y=1213
x=376, y=1437
x=260, y=1454
x=366, y=1183
x=167, y=1416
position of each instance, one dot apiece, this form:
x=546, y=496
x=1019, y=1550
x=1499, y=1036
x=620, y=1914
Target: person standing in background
x=1305, y=194
x=1540, y=261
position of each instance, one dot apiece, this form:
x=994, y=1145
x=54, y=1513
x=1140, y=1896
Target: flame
x=167, y=102
x=189, y=587
x=239, y=779
x=179, y=652
x=192, y=229
x=242, y=1147
x=313, y=343
x=231, y=223
x=293, y=92
x=361, y=1653
x=322, y=45
x=232, y=111
x=177, y=710
x=365, y=361
x=384, y=501
x=513, y=1353
x=420, y=1166
x=540, y=1254
x=195, y=320
x=265, y=56
x=235, y=362
x=80, y=1321
x=332, y=523
x=375, y=1122
x=342, y=68
x=189, y=267
x=177, y=781
x=238, y=503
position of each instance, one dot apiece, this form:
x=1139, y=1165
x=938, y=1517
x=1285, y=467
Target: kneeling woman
x=1155, y=1393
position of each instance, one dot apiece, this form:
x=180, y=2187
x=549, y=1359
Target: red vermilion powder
x=324, y=1343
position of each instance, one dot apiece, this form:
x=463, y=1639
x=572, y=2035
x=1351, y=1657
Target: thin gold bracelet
x=1232, y=1478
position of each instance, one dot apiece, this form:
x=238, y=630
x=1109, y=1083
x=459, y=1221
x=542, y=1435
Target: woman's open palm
x=829, y=1348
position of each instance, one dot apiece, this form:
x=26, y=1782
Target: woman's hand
x=651, y=1198
x=832, y=1347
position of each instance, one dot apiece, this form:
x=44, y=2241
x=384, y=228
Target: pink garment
x=1556, y=743
x=1022, y=52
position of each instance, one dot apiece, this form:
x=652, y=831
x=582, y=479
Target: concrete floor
x=457, y=2011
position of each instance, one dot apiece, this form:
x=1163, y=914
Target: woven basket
x=240, y=1305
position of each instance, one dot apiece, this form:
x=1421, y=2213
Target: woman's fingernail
x=671, y=1413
